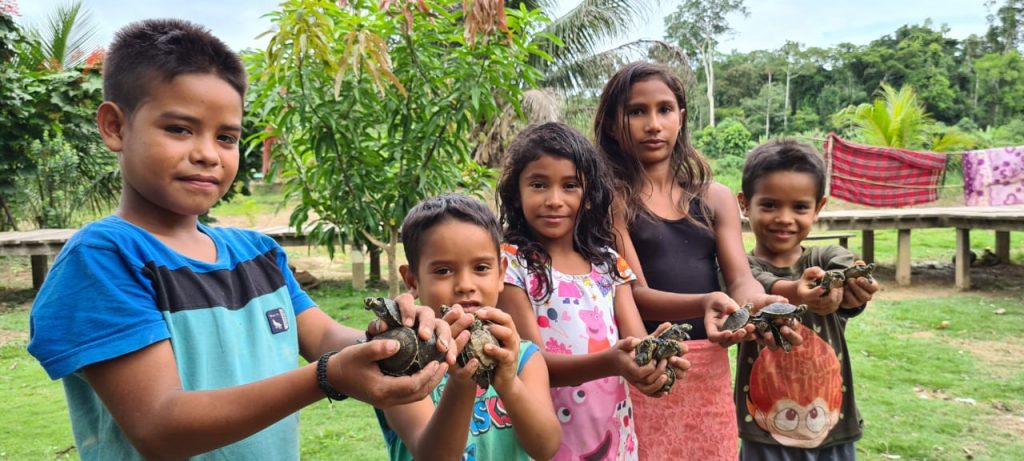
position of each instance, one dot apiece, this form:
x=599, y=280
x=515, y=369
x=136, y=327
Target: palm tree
x=583, y=30
x=898, y=119
x=67, y=39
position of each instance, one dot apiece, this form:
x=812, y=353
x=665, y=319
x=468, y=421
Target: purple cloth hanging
x=994, y=176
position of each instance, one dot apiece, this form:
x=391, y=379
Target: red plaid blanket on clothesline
x=883, y=177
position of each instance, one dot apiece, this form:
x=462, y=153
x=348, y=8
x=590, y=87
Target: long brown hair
x=690, y=170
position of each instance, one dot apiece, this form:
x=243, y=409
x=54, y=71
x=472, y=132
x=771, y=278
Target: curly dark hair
x=689, y=168
x=592, y=235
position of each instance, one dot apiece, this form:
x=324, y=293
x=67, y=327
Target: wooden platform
x=42, y=244
x=1002, y=220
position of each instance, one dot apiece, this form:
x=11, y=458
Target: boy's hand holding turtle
x=506, y=376
x=810, y=292
x=354, y=370
x=858, y=291
x=460, y=322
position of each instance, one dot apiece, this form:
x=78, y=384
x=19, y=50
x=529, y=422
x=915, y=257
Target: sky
x=770, y=23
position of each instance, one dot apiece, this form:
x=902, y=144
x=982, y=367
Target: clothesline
x=902, y=186
x=810, y=138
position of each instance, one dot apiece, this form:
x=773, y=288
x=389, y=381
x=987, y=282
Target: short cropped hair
x=783, y=155
x=434, y=211
x=158, y=50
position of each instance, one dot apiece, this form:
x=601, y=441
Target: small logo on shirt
x=277, y=320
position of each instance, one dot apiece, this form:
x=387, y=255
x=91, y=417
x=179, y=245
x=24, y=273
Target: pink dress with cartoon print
x=579, y=318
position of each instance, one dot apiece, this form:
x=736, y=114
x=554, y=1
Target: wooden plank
x=962, y=267
x=1003, y=246
x=867, y=240
x=903, y=257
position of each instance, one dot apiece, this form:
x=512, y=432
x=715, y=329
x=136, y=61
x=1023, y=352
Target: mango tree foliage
x=373, y=106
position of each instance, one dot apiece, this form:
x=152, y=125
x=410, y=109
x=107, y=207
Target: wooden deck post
x=962, y=269
x=40, y=265
x=867, y=252
x=358, y=269
x=903, y=257
x=1003, y=246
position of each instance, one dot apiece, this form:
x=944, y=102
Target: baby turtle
x=835, y=278
x=479, y=336
x=765, y=320
x=413, y=353
x=859, y=269
x=738, y=319
x=663, y=346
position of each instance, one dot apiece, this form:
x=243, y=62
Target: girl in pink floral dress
x=568, y=290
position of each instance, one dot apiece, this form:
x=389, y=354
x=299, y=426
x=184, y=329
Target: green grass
x=897, y=351
x=35, y=424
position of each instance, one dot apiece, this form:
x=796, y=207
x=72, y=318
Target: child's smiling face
x=782, y=211
x=458, y=264
x=550, y=194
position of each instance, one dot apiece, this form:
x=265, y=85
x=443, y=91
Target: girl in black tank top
x=691, y=265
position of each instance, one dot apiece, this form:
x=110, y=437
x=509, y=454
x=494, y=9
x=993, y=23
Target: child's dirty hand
x=354, y=371
x=858, y=291
x=504, y=330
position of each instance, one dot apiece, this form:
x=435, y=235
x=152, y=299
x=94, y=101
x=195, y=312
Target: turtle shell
x=859, y=269
x=737, y=319
x=413, y=353
x=480, y=337
x=677, y=332
x=778, y=310
x=401, y=363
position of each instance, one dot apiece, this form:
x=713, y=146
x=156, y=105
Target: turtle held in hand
x=836, y=278
x=479, y=337
x=765, y=320
x=662, y=347
x=413, y=352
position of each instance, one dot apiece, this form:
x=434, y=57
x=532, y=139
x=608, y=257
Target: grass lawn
x=938, y=373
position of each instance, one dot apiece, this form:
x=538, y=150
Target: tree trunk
x=391, y=250
x=374, y=263
x=768, y=108
x=709, y=74
x=785, y=106
x=9, y=222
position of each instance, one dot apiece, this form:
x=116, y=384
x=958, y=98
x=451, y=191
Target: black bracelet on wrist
x=321, y=379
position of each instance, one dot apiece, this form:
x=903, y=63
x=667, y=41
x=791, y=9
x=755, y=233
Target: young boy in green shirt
x=797, y=405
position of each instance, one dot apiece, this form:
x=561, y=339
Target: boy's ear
x=503, y=266
x=821, y=205
x=111, y=121
x=742, y=199
x=409, y=277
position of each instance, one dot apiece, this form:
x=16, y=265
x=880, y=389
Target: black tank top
x=677, y=256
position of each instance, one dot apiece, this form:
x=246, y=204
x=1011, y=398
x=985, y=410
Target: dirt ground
x=932, y=279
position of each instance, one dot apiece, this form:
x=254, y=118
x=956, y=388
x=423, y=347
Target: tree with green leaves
x=53, y=165
x=374, y=105
x=697, y=26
